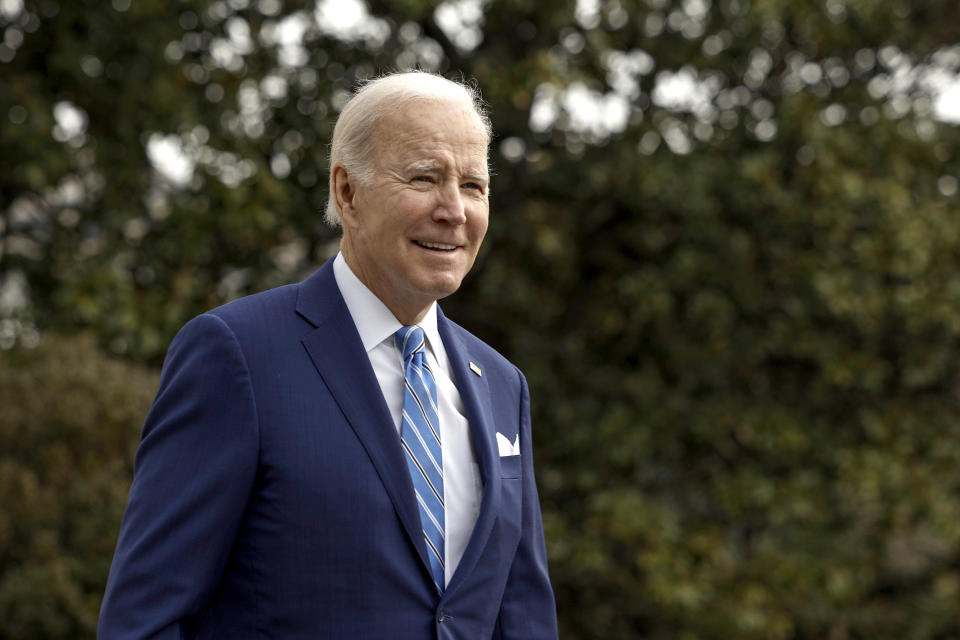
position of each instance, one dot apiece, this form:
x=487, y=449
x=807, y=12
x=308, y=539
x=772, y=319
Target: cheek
x=412, y=202
x=479, y=224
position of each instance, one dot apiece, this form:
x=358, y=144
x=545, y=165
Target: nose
x=450, y=206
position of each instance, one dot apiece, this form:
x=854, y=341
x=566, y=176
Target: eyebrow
x=476, y=175
x=433, y=167
x=426, y=167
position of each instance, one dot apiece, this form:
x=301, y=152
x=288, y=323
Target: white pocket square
x=506, y=447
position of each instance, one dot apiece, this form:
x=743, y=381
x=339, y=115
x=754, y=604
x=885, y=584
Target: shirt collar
x=374, y=321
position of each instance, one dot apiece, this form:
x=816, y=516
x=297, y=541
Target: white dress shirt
x=376, y=324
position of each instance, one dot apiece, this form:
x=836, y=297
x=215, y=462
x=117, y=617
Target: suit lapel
x=339, y=357
x=476, y=401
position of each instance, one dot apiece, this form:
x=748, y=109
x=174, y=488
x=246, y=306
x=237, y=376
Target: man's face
x=414, y=231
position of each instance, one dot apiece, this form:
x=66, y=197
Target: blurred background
x=724, y=247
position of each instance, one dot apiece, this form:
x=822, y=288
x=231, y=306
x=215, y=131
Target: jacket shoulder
x=262, y=305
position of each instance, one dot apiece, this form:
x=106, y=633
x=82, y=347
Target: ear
x=344, y=193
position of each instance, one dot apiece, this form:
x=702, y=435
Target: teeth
x=437, y=245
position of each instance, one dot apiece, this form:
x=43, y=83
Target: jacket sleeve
x=193, y=475
x=528, y=610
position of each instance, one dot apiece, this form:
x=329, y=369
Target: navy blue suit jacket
x=271, y=498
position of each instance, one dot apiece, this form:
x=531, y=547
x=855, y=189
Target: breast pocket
x=510, y=466
x=511, y=501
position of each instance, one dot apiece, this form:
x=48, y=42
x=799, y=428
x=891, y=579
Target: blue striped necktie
x=420, y=437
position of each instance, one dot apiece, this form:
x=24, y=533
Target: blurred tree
x=71, y=419
x=723, y=248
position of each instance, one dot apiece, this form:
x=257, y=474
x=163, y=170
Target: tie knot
x=410, y=340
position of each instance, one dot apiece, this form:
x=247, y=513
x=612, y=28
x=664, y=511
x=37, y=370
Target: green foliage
x=737, y=314
x=71, y=419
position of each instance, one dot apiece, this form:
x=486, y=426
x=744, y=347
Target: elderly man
x=335, y=458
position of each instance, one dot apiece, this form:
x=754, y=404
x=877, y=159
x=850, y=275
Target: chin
x=442, y=288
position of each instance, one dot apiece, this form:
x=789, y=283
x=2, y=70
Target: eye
x=423, y=179
x=476, y=186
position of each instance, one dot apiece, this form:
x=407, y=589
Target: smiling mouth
x=437, y=246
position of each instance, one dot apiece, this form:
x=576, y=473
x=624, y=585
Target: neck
x=407, y=310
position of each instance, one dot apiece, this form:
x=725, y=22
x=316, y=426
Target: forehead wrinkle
x=416, y=147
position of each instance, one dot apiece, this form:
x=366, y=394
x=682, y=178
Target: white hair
x=352, y=144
